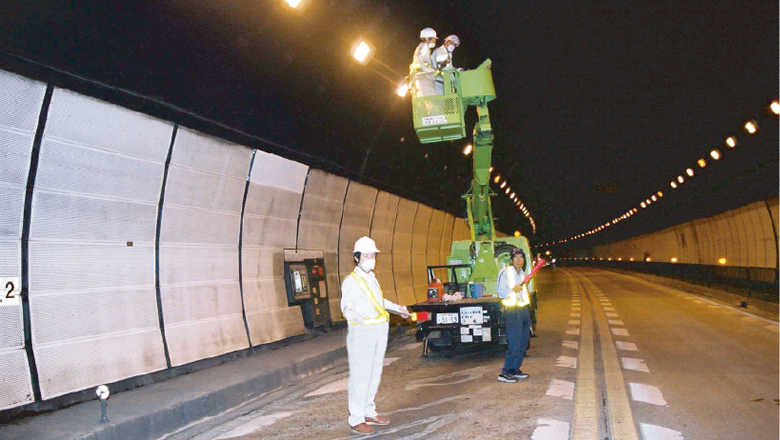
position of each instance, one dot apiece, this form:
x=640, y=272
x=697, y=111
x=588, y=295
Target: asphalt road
x=616, y=357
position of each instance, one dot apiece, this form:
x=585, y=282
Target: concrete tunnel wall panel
x=435, y=230
x=270, y=226
x=402, y=251
x=382, y=225
x=199, y=286
x=422, y=223
x=20, y=105
x=323, y=203
x=446, y=237
x=355, y=223
x=92, y=275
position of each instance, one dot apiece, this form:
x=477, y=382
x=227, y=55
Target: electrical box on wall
x=307, y=287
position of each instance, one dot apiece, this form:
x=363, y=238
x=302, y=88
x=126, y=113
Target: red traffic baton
x=536, y=268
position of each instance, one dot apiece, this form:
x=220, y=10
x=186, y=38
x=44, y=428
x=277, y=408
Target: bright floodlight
x=467, y=150
x=751, y=126
x=775, y=106
x=402, y=90
x=362, y=52
x=702, y=163
x=715, y=154
x=689, y=172
x=731, y=141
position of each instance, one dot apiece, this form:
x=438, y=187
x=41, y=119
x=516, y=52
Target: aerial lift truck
x=473, y=265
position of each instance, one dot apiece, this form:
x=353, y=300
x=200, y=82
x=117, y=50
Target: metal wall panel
x=422, y=223
x=355, y=223
x=382, y=225
x=20, y=105
x=92, y=295
x=402, y=251
x=323, y=203
x=270, y=225
x=201, y=297
x=435, y=232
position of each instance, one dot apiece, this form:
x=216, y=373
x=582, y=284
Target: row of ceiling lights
x=751, y=127
x=722, y=260
x=508, y=192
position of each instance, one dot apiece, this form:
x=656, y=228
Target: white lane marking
x=389, y=361
x=575, y=314
x=773, y=328
x=652, y=432
x=609, y=309
x=574, y=322
x=561, y=388
x=626, y=346
x=647, y=393
x=635, y=364
x=576, y=304
x=333, y=387
x=620, y=332
x=412, y=346
x=576, y=309
x=549, y=429
x=612, y=315
x=254, y=425
x=615, y=322
x=573, y=331
x=571, y=344
x=566, y=362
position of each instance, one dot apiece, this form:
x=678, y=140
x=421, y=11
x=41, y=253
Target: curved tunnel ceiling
x=598, y=107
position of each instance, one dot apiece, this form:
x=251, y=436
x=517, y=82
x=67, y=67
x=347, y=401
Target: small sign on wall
x=11, y=291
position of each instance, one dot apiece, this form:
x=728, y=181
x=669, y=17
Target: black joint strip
x=240, y=246
x=300, y=208
x=26, y=220
x=157, y=247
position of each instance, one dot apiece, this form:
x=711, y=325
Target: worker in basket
x=422, y=68
x=516, y=300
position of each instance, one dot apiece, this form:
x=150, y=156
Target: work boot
x=362, y=429
x=378, y=420
x=507, y=378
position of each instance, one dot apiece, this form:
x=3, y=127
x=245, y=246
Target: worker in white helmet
x=442, y=60
x=422, y=67
x=366, y=311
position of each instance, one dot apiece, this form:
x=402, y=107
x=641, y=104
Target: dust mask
x=368, y=265
x=432, y=44
x=449, y=48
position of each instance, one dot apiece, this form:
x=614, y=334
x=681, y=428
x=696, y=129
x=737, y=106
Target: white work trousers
x=366, y=345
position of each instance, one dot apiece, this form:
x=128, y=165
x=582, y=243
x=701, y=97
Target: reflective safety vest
x=382, y=316
x=512, y=300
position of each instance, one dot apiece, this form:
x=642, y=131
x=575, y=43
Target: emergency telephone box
x=307, y=287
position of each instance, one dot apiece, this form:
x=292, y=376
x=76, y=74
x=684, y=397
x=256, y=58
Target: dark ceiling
x=600, y=104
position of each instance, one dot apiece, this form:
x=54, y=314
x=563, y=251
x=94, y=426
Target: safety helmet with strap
x=427, y=33
x=453, y=39
x=365, y=245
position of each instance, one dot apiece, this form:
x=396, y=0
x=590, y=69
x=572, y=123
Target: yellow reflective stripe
x=383, y=315
x=511, y=300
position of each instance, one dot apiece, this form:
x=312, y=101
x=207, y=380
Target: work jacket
x=356, y=302
x=507, y=279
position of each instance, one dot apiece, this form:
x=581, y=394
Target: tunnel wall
x=145, y=245
x=745, y=237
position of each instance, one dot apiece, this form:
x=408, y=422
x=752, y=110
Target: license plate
x=446, y=318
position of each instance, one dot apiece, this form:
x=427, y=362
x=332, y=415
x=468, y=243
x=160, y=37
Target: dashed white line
x=576, y=309
x=615, y=322
x=561, y=388
x=652, y=432
x=573, y=331
x=575, y=314
x=571, y=344
x=574, y=322
x=635, y=364
x=566, y=362
x=389, y=361
x=609, y=309
x=647, y=393
x=620, y=332
x=612, y=315
x=549, y=429
x=626, y=346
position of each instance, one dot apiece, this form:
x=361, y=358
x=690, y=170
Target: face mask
x=449, y=48
x=432, y=44
x=368, y=265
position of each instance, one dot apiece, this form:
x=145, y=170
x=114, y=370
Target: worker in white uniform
x=366, y=311
x=442, y=60
x=422, y=66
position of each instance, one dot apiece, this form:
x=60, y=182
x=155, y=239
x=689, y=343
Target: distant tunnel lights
x=497, y=178
x=715, y=154
x=689, y=172
x=503, y=184
x=362, y=52
x=467, y=150
x=680, y=179
x=751, y=127
x=702, y=163
x=775, y=106
x=721, y=261
x=731, y=141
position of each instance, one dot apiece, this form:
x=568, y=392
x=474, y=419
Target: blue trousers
x=518, y=332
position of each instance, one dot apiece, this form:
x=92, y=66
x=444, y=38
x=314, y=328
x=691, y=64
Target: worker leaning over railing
x=517, y=317
x=422, y=68
x=366, y=310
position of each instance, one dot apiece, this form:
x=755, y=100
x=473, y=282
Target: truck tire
x=503, y=249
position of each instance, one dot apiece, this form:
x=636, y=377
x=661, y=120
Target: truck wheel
x=503, y=249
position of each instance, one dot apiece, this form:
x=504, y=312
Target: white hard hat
x=365, y=244
x=453, y=39
x=427, y=33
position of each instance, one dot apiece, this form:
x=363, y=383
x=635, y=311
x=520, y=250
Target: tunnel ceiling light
x=497, y=178
x=362, y=52
x=702, y=163
x=731, y=141
x=467, y=150
x=715, y=154
x=653, y=198
x=751, y=127
x=775, y=106
x=673, y=184
x=490, y=169
x=512, y=196
x=680, y=179
x=508, y=189
x=643, y=205
x=689, y=172
x=503, y=184
x=660, y=194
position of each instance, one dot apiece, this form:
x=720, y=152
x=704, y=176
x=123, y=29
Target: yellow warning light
x=517, y=233
x=721, y=260
x=674, y=259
